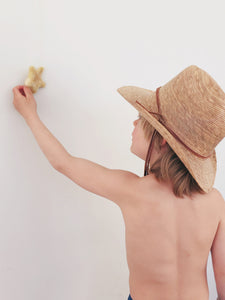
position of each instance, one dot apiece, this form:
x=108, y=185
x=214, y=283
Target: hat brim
x=203, y=170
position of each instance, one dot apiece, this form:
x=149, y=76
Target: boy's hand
x=24, y=101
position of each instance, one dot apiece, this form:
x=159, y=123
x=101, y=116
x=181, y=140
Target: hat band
x=170, y=130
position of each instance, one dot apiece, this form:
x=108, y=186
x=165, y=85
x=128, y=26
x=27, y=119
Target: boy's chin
x=135, y=153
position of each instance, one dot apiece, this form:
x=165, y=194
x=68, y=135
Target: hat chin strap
x=147, y=160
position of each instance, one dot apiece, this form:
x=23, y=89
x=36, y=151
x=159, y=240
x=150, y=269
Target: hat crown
x=193, y=106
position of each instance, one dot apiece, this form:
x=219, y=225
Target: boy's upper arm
x=218, y=250
x=113, y=184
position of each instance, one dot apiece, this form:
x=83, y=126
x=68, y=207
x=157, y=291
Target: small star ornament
x=34, y=81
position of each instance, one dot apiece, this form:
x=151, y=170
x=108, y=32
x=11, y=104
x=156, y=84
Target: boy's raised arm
x=50, y=146
x=116, y=185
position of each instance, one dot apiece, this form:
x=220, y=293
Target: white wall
x=57, y=240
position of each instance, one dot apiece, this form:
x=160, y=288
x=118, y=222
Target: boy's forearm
x=51, y=147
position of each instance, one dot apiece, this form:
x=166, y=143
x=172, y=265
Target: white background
x=57, y=240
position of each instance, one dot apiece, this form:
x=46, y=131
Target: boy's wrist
x=29, y=118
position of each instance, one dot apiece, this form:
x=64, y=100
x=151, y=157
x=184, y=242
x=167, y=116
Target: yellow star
x=34, y=81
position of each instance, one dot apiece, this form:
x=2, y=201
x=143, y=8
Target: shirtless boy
x=173, y=216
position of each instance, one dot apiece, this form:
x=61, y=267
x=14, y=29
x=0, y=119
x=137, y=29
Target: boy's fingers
x=18, y=91
x=27, y=90
x=21, y=89
x=15, y=90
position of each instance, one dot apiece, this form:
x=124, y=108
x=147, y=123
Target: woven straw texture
x=192, y=104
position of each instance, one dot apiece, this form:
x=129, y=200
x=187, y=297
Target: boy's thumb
x=27, y=90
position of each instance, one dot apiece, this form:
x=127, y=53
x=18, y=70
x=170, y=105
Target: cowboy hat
x=191, y=107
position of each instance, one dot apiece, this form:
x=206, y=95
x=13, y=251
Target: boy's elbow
x=62, y=164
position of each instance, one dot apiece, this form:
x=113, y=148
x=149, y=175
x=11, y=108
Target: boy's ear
x=164, y=142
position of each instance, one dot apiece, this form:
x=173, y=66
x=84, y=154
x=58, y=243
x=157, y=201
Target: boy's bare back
x=168, y=240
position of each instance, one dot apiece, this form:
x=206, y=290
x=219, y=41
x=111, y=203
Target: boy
x=173, y=217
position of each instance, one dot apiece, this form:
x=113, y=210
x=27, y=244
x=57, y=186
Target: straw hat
x=189, y=112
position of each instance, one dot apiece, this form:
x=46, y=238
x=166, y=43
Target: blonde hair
x=169, y=167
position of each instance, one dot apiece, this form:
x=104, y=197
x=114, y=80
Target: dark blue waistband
x=129, y=298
